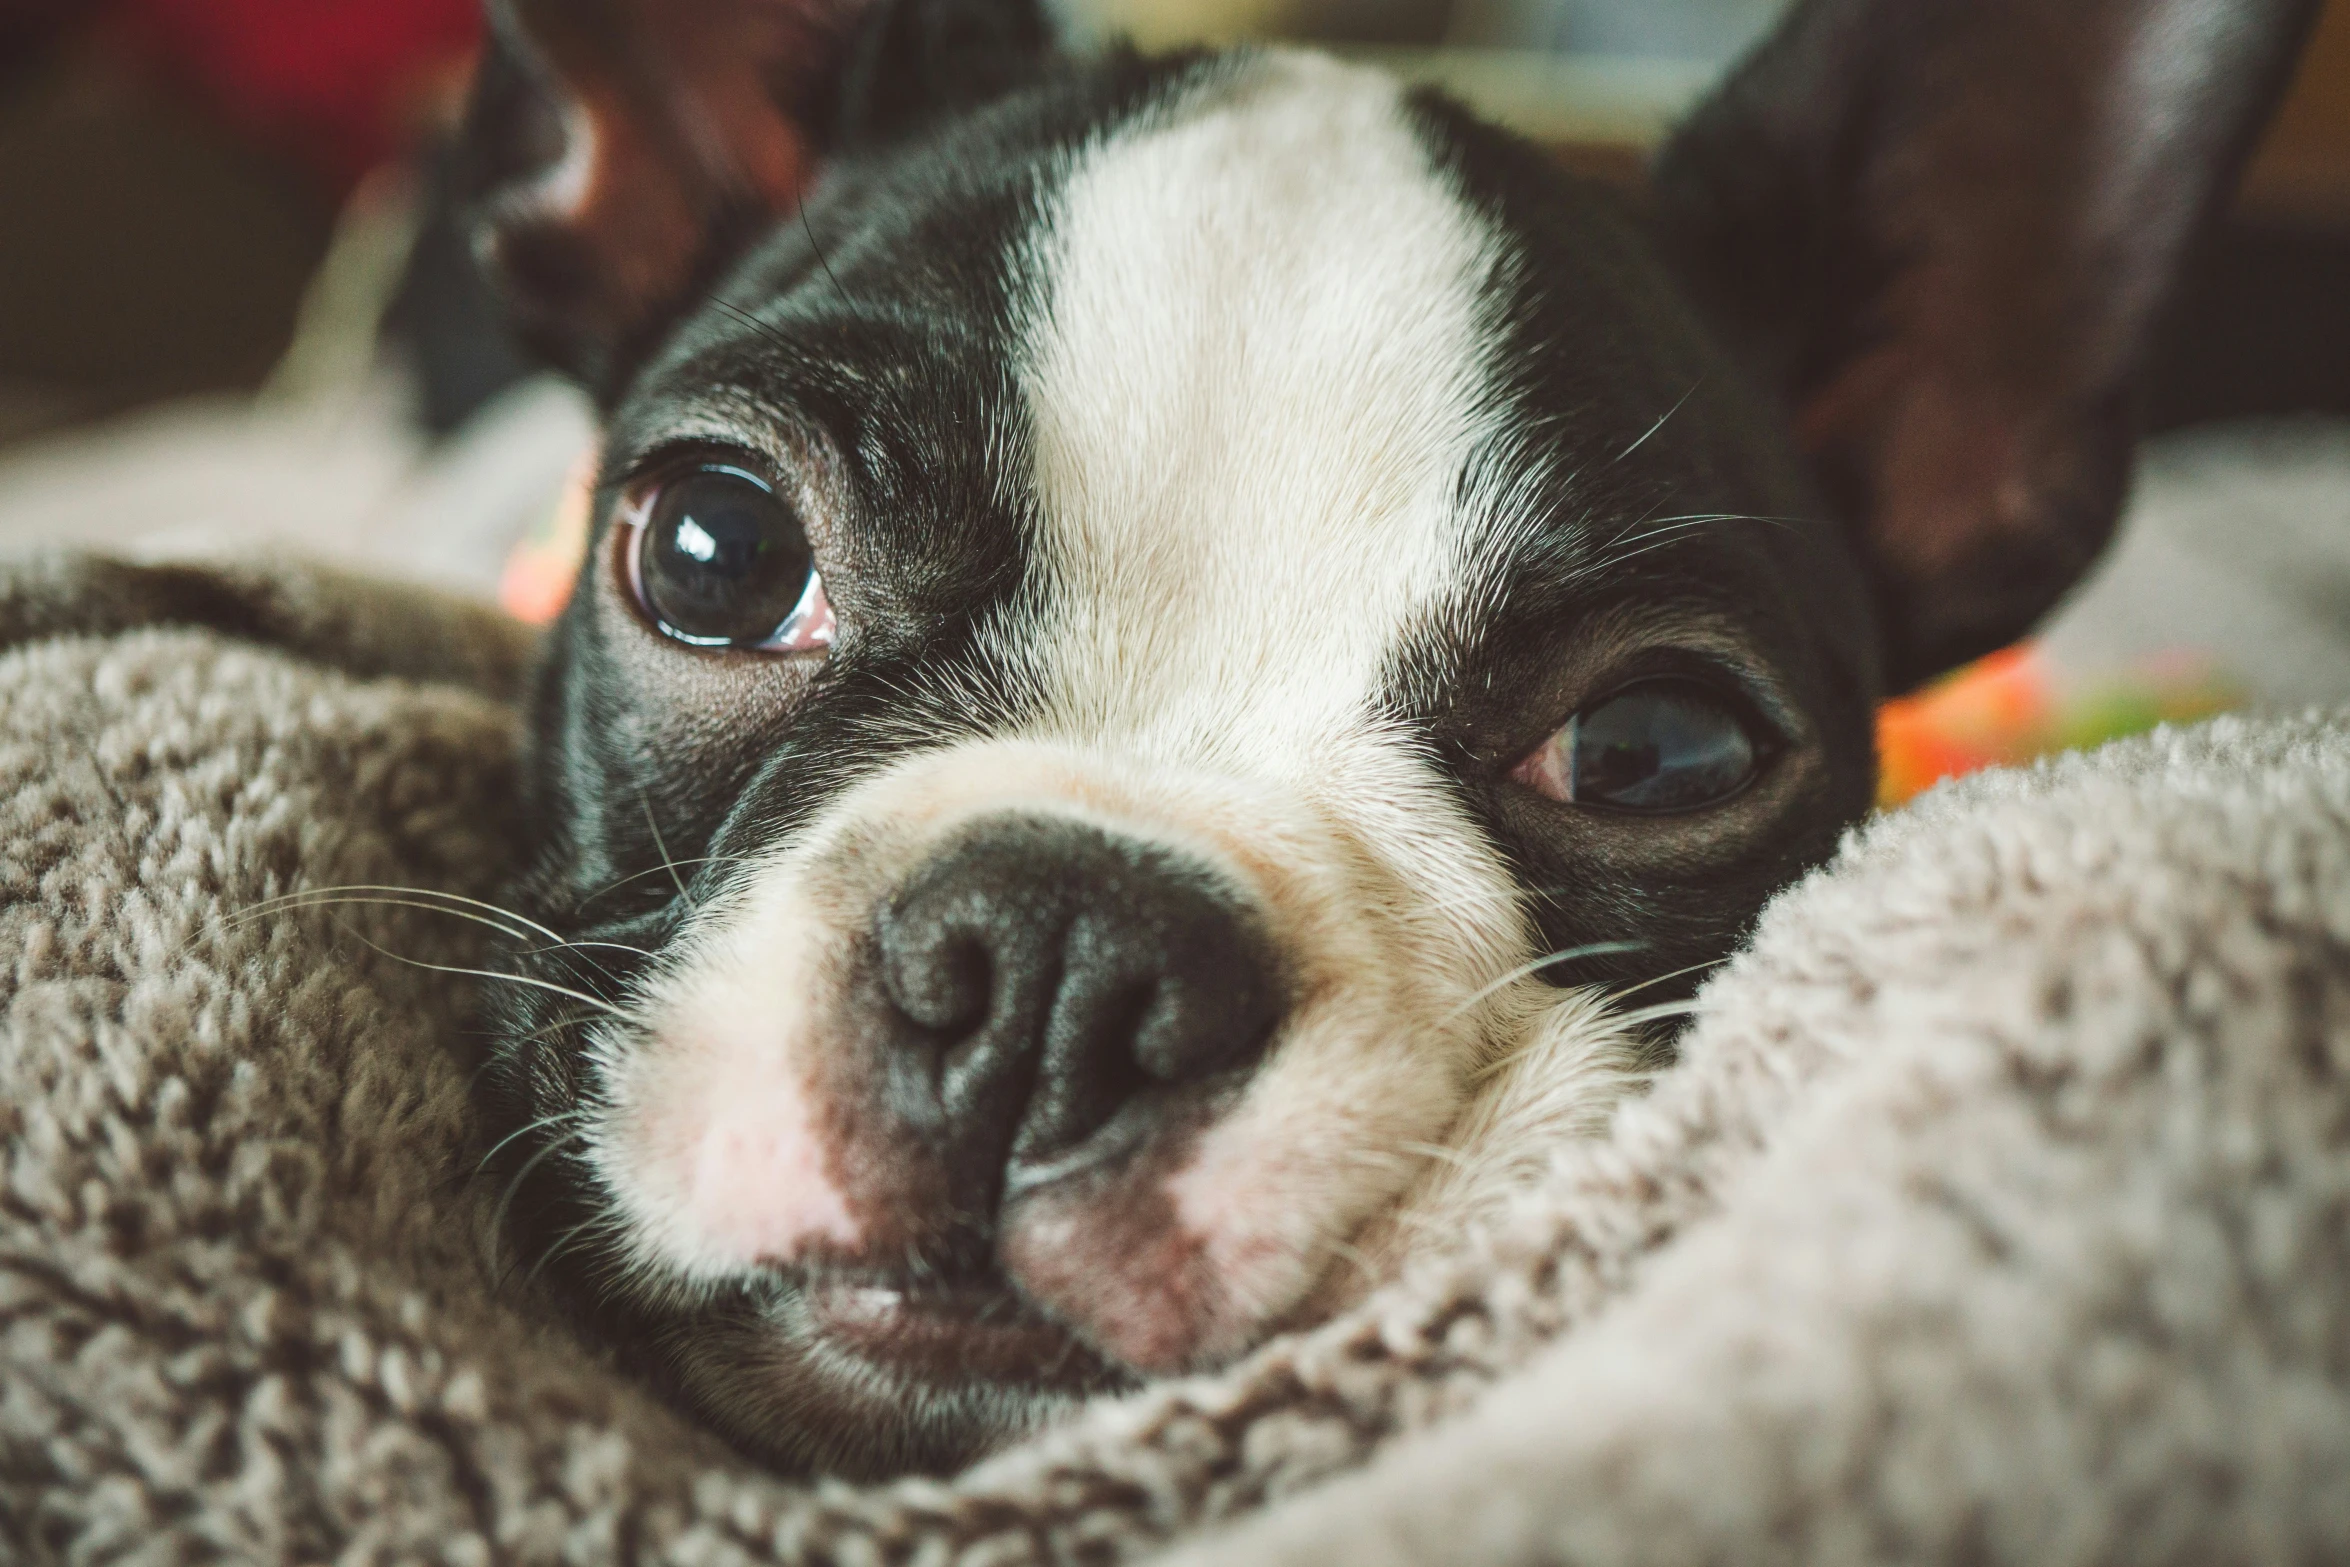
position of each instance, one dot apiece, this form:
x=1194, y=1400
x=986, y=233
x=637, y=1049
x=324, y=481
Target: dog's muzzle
x=1137, y=1047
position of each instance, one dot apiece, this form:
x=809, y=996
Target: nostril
x=1191, y=1029
x=939, y=977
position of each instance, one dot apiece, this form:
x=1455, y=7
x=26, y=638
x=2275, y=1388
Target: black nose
x=1048, y=975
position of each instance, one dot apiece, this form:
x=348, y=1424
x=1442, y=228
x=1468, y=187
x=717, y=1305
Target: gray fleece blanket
x=1998, y=1210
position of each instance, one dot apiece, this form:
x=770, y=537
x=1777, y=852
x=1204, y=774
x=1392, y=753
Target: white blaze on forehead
x=1255, y=380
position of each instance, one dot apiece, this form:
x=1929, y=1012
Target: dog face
x=1161, y=635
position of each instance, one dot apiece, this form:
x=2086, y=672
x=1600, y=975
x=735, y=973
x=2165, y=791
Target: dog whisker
x=1654, y=1014
x=514, y=924
x=514, y=1185
x=541, y=1124
x=562, y=1244
x=1536, y=966
x=462, y=972
x=1439, y=1153
x=567, y=1021
x=1661, y=423
x=667, y=866
x=330, y=898
x=1694, y=968
x=645, y=799
x=1353, y=1256
x=1399, y=1157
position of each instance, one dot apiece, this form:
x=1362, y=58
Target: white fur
x=1257, y=378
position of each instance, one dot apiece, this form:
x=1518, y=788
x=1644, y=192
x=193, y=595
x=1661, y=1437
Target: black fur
x=1659, y=365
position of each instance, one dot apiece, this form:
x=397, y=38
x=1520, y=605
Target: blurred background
x=229, y=313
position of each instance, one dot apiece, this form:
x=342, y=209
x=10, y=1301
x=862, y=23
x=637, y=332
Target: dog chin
x=855, y=1376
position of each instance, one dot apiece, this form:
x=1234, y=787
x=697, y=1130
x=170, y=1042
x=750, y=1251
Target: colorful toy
x=2017, y=705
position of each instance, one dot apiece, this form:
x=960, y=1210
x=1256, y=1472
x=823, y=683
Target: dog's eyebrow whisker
x=1525, y=970
x=1698, y=518
x=822, y=260
x=1619, y=549
x=1663, y=527
x=755, y=324
x=1614, y=561
x=1660, y=424
x=1653, y=532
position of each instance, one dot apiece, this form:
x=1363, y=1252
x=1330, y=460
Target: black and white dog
x=1163, y=635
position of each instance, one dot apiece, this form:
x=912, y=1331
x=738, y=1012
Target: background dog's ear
x=619, y=153
x=1947, y=229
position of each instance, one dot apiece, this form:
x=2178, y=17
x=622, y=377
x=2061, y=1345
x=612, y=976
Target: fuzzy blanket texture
x=1998, y=1211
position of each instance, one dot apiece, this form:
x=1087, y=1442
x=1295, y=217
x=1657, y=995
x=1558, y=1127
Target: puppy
x=1176, y=652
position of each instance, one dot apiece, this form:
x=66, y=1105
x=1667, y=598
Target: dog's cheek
x=1326, y=1140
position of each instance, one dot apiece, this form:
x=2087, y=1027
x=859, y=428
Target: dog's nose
x=1047, y=976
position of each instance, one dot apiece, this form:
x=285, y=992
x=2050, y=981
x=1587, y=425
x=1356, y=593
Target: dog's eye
x=721, y=561
x=1666, y=745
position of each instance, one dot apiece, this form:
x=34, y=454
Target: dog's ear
x=619, y=153
x=1946, y=229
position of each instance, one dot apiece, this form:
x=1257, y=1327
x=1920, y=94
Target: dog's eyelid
x=800, y=471
x=1741, y=684
x=660, y=464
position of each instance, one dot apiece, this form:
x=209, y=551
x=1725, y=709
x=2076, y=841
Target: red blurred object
x=339, y=84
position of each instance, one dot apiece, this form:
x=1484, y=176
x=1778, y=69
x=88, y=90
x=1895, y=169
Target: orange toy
x=2016, y=705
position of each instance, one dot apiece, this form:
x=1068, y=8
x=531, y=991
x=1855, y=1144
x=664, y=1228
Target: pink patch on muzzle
x=742, y=1152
